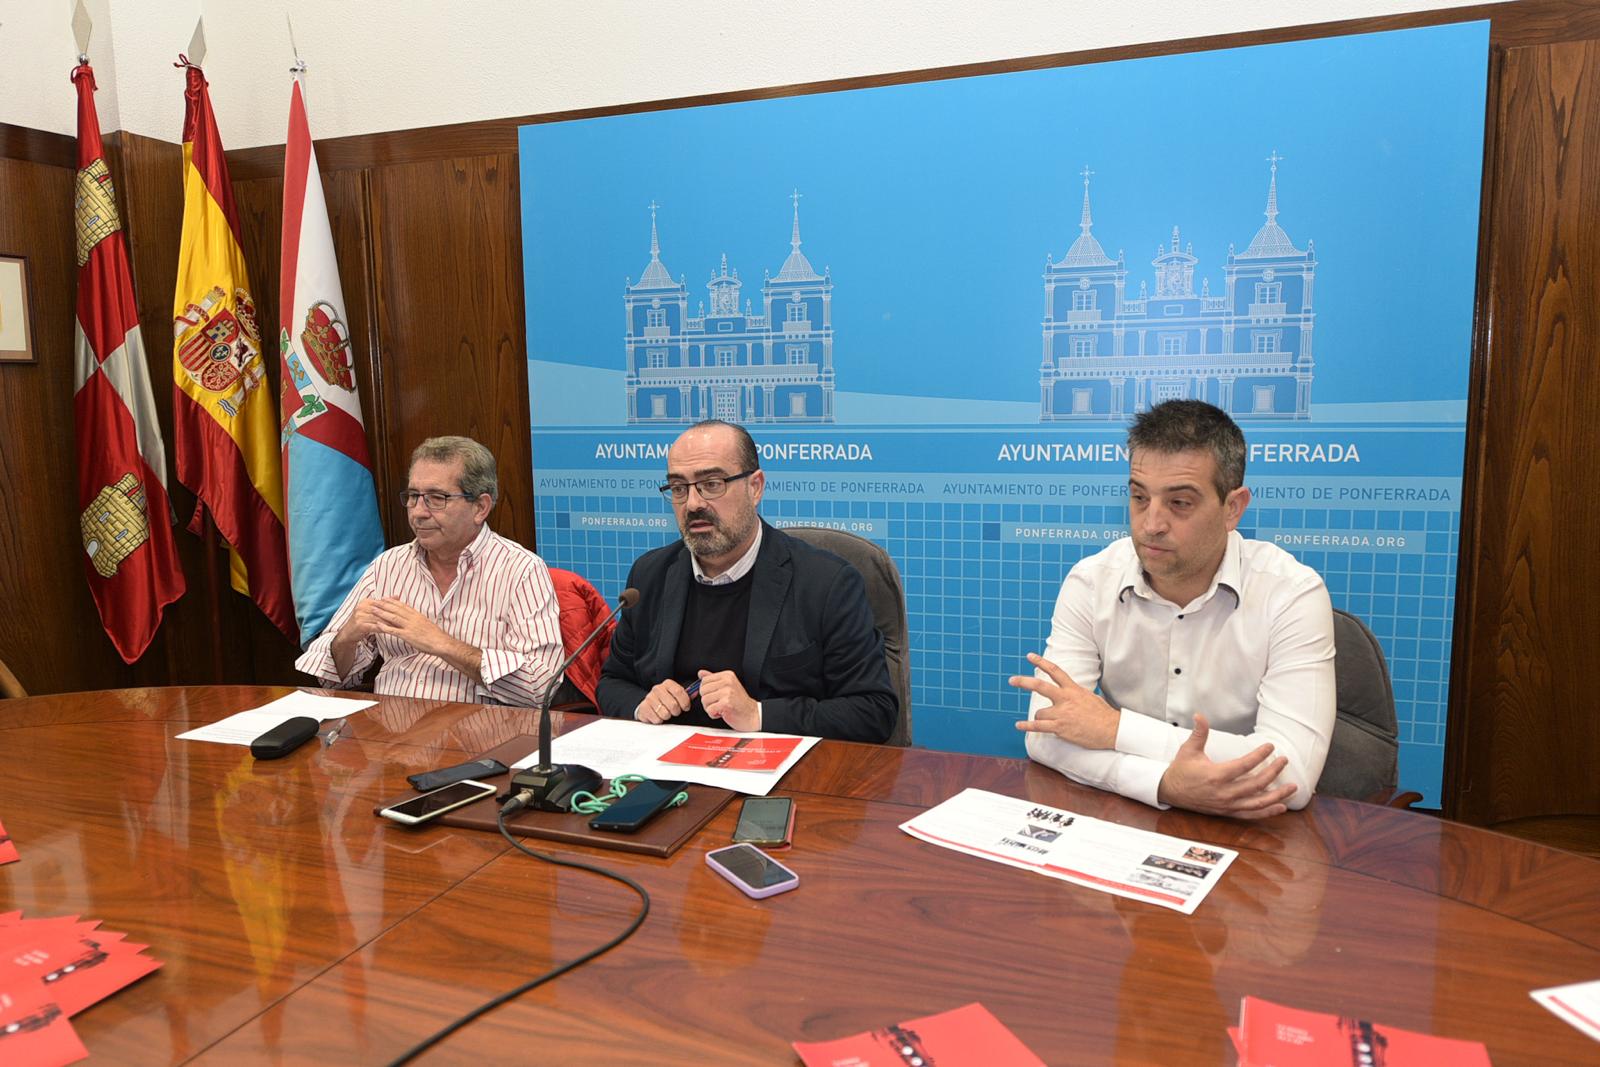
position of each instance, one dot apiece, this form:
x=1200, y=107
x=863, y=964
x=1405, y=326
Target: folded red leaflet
x=34, y=1031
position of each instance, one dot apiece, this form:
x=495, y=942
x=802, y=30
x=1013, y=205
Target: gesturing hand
x=1239, y=788
x=1074, y=714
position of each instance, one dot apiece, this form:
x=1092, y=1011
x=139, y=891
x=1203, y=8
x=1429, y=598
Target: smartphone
x=753, y=871
x=643, y=802
x=428, y=781
x=434, y=804
x=765, y=821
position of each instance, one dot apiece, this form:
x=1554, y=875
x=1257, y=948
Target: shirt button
x=1177, y=670
x=1180, y=618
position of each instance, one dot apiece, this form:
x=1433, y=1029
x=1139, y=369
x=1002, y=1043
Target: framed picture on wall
x=16, y=323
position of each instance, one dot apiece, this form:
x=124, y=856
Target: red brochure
x=34, y=1031
x=8, y=847
x=732, y=752
x=1271, y=1034
x=76, y=963
x=969, y=1036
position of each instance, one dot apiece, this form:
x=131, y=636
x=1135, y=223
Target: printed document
x=1136, y=864
x=246, y=726
x=621, y=746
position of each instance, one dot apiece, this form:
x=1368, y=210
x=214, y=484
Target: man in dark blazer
x=739, y=625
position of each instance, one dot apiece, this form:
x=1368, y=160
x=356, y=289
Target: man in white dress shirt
x=1212, y=655
x=460, y=613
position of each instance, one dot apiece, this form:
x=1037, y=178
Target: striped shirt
x=501, y=603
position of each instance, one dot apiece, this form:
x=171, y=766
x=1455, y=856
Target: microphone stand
x=550, y=786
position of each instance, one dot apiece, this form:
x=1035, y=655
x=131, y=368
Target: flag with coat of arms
x=225, y=419
x=124, y=513
x=332, y=515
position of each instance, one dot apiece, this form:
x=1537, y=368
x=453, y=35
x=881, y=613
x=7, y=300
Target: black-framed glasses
x=710, y=488
x=433, y=501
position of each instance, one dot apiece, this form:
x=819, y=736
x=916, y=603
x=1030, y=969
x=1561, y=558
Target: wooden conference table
x=297, y=927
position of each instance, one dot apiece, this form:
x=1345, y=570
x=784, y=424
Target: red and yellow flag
x=223, y=409
x=122, y=463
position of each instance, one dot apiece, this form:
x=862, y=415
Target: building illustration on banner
x=772, y=365
x=1108, y=354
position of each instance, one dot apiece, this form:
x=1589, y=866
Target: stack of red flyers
x=8, y=848
x=968, y=1036
x=50, y=970
x=1270, y=1035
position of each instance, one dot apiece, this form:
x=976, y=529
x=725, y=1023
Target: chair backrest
x=887, y=597
x=1363, y=755
x=9, y=686
x=581, y=608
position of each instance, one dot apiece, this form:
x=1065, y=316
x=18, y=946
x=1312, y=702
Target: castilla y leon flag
x=122, y=463
x=224, y=415
x=327, y=475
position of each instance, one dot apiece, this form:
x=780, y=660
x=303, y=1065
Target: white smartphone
x=753, y=871
x=432, y=805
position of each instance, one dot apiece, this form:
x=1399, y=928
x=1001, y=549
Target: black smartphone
x=428, y=781
x=765, y=821
x=643, y=801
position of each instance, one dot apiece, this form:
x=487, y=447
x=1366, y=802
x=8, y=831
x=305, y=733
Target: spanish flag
x=223, y=409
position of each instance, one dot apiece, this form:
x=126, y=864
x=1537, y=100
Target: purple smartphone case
x=743, y=886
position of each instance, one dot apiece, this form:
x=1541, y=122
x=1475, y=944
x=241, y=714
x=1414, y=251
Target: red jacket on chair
x=582, y=607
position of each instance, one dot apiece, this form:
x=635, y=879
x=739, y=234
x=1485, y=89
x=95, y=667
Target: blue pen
x=692, y=688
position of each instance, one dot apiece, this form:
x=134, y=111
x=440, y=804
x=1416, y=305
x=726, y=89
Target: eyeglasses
x=710, y=488
x=433, y=501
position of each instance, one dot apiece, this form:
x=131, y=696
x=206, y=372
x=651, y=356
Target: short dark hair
x=1189, y=426
x=744, y=444
x=478, y=472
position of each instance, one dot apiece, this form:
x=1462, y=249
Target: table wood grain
x=297, y=928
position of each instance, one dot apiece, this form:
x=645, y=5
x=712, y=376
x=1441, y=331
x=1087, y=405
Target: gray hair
x=1193, y=426
x=478, y=472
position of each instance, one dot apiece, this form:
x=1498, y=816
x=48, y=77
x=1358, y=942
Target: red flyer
x=1288, y=1037
x=8, y=847
x=731, y=752
x=34, y=1031
x=969, y=1036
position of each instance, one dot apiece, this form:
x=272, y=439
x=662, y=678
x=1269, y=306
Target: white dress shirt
x=1254, y=654
x=501, y=602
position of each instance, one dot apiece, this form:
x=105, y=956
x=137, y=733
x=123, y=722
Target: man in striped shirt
x=460, y=613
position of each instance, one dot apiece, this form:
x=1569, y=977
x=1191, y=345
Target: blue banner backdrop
x=1024, y=260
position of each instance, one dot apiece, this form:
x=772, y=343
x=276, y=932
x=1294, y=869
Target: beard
x=717, y=541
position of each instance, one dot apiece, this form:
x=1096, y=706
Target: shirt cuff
x=1139, y=779
x=495, y=663
x=1152, y=738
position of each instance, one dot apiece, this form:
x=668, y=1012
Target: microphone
x=548, y=786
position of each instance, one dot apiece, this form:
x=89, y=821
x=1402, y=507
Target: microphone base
x=553, y=786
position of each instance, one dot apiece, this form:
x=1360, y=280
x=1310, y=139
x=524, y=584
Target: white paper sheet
x=1136, y=864
x=1578, y=1004
x=620, y=746
x=246, y=726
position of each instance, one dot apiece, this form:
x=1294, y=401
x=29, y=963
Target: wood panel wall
x=427, y=229
x=1525, y=742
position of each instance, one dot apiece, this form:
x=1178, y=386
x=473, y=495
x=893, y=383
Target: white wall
x=409, y=63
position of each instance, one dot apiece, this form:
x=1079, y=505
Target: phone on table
x=755, y=873
x=428, y=781
x=645, y=800
x=432, y=805
x=766, y=821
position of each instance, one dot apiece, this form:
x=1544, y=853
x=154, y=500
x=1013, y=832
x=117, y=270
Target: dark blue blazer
x=812, y=655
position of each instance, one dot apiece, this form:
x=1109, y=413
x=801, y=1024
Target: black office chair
x=887, y=597
x=9, y=686
x=1363, y=756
